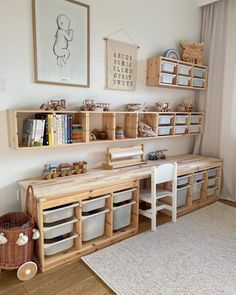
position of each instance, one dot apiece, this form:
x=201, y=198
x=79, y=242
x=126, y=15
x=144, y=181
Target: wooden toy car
x=91, y=105
x=55, y=105
x=135, y=107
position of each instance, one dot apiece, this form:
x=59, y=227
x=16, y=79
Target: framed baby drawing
x=61, y=42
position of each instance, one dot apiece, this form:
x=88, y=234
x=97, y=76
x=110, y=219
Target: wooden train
x=64, y=169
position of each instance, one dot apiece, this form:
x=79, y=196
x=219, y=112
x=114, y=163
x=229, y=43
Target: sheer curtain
x=219, y=101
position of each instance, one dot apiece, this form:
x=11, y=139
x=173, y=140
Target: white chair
x=160, y=174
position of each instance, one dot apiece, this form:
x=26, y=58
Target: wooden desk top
x=99, y=178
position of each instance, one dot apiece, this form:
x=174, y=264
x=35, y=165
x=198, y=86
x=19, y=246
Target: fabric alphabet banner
x=121, y=65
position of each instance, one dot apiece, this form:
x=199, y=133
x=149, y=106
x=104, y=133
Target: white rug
x=196, y=255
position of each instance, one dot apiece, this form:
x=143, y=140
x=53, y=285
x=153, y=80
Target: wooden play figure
x=56, y=105
x=192, y=52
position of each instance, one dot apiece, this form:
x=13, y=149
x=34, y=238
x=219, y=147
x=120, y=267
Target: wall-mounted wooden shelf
x=166, y=72
x=164, y=125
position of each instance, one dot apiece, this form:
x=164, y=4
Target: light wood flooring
x=73, y=278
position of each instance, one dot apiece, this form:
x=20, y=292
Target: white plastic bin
x=122, y=215
x=199, y=83
x=212, y=173
x=124, y=195
x=165, y=119
x=195, y=128
x=167, y=78
x=198, y=72
x=93, y=225
x=181, y=119
x=183, y=180
x=211, y=191
x=164, y=130
x=211, y=182
x=196, y=119
x=168, y=67
x=94, y=204
x=52, y=247
x=59, y=213
x=180, y=129
x=197, y=187
x=183, y=81
x=184, y=70
x=198, y=176
x=59, y=229
x=182, y=196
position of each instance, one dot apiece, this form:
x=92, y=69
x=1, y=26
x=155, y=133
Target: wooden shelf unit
x=103, y=121
x=157, y=74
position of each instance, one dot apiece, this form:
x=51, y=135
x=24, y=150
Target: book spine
x=71, y=122
x=68, y=128
x=62, y=129
x=49, y=129
x=65, y=129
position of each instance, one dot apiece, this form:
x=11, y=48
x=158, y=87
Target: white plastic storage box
x=59, y=213
x=123, y=196
x=198, y=176
x=197, y=187
x=211, y=182
x=167, y=78
x=93, y=225
x=184, y=70
x=183, y=81
x=165, y=119
x=195, y=128
x=198, y=72
x=168, y=67
x=211, y=191
x=182, y=196
x=164, y=130
x=198, y=82
x=196, y=119
x=183, y=180
x=52, y=246
x=181, y=119
x=58, y=229
x=180, y=129
x=122, y=215
x=212, y=173
x=94, y=204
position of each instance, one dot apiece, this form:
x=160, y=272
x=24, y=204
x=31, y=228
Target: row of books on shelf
x=48, y=129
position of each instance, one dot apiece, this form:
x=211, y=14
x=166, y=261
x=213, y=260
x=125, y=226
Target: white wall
x=156, y=25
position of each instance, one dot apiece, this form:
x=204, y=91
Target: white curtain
x=219, y=101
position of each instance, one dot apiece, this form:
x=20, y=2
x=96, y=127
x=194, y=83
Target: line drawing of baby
x=63, y=36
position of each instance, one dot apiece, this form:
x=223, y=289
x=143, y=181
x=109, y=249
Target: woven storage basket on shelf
x=12, y=225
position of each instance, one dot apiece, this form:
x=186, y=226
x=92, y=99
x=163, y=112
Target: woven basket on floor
x=11, y=255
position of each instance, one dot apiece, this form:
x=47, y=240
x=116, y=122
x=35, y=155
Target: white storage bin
x=211, y=191
x=183, y=180
x=52, y=247
x=122, y=196
x=196, y=119
x=94, y=204
x=198, y=82
x=165, y=119
x=182, y=196
x=198, y=72
x=60, y=229
x=212, y=173
x=122, y=215
x=183, y=81
x=195, y=128
x=59, y=213
x=167, y=78
x=180, y=129
x=198, y=176
x=181, y=119
x=211, y=182
x=93, y=225
x=168, y=67
x=164, y=130
x=197, y=187
x=184, y=70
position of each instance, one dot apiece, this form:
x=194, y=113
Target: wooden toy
x=162, y=107
x=64, y=169
x=120, y=132
x=186, y=106
x=125, y=157
x=92, y=137
x=172, y=53
x=145, y=130
x=102, y=134
x=56, y=105
x=135, y=107
x=91, y=105
x=158, y=155
x=192, y=52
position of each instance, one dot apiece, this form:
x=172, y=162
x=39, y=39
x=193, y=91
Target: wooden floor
x=72, y=278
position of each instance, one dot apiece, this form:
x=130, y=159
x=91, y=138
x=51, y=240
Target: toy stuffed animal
x=192, y=52
x=3, y=239
x=36, y=234
x=22, y=240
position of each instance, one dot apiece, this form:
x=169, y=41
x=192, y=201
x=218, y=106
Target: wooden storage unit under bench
x=97, y=209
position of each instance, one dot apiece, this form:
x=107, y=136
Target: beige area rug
x=196, y=255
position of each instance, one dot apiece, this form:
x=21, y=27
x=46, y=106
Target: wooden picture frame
x=61, y=34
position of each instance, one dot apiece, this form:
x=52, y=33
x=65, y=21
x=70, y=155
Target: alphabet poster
x=121, y=65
